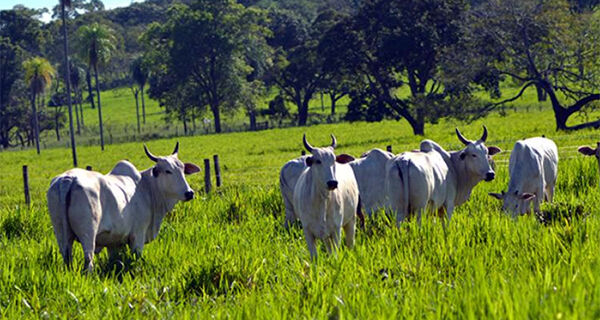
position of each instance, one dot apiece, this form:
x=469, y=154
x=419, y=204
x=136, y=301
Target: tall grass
x=226, y=254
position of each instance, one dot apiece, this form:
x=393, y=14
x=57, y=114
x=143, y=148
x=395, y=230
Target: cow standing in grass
x=326, y=199
x=533, y=169
x=368, y=171
x=436, y=179
x=589, y=151
x=124, y=207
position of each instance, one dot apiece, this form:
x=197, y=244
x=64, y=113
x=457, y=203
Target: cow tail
x=403, y=172
x=360, y=214
x=64, y=195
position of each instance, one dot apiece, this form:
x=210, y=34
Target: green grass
x=227, y=255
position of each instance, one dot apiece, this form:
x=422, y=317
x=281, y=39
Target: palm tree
x=38, y=75
x=95, y=46
x=63, y=4
x=75, y=78
x=139, y=73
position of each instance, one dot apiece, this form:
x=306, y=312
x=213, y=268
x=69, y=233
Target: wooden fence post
x=217, y=170
x=88, y=168
x=207, y=175
x=26, y=186
x=389, y=148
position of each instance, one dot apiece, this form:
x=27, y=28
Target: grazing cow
x=434, y=178
x=588, y=151
x=326, y=198
x=533, y=168
x=123, y=207
x=368, y=171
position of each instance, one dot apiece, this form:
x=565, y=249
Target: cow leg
x=550, y=192
x=310, y=242
x=66, y=249
x=449, y=210
x=88, y=245
x=349, y=231
x=136, y=245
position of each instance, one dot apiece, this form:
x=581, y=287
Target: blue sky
x=8, y=4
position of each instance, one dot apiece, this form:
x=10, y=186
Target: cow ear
x=586, y=151
x=527, y=196
x=493, y=150
x=498, y=196
x=462, y=155
x=189, y=168
x=344, y=158
x=155, y=171
x=309, y=161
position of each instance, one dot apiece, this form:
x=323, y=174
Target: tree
x=38, y=74
x=541, y=44
x=216, y=70
x=389, y=44
x=20, y=36
x=297, y=70
x=139, y=74
x=67, y=75
x=76, y=74
x=96, y=44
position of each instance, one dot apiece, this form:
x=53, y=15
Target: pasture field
x=226, y=254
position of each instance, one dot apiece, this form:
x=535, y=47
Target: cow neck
x=465, y=182
x=315, y=190
x=159, y=204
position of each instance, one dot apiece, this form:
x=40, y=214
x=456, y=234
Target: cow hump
x=126, y=168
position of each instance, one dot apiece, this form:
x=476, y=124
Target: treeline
x=417, y=60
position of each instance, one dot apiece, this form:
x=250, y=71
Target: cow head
x=477, y=156
x=170, y=172
x=322, y=163
x=514, y=202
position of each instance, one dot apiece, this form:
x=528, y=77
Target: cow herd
x=411, y=183
x=327, y=193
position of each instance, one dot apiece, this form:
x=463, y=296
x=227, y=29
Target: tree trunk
x=217, y=116
x=81, y=106
x=185, y=130
x=56, y=124
x=99, y=108
x=302, y=111
x=68, y=82
x=36, y=131
x=333, y=101
x=252, y=116
x=137, y=110
x=143, y=104
x=88, y=79
x=77, y=115
x=541, y=93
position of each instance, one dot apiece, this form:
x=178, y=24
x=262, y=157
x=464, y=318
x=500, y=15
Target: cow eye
x=474, y=155
x=318, y=162
x=168, y=172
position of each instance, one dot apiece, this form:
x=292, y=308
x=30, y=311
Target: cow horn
x=150, y=155
x=176, y=149
x=306, y=144
x=462, y=139
x=333, y=141
x=484, y=135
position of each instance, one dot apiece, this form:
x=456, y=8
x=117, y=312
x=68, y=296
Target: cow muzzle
x=189, y=195
x=332, y=184
x=490, y=176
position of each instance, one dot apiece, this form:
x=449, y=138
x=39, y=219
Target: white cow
x=326, y=199
x=123, y=207
x=435, y=179
x=588, y=151
x=368, y=171
x=533, y=169
x=288, y=176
